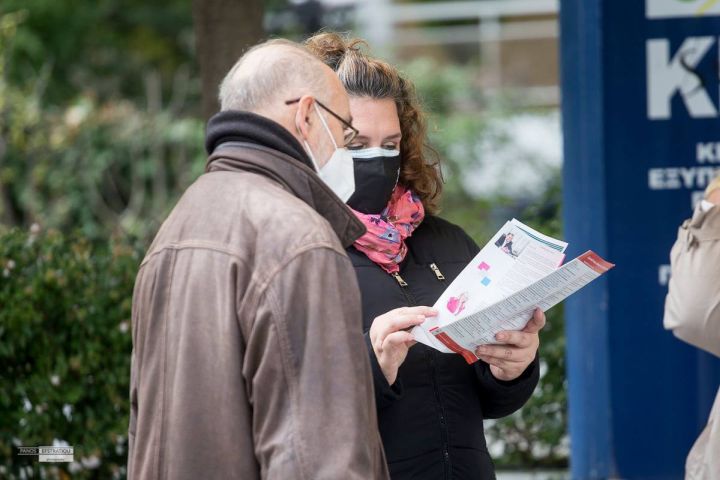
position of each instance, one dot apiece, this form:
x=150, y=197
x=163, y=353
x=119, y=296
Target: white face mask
x=338, y=173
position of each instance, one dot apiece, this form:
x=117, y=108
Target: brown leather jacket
x=248, y=357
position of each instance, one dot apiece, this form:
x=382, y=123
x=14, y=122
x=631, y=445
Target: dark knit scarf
x=247, y=127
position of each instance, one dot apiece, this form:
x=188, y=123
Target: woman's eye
x=355, y=146
x=390, y=146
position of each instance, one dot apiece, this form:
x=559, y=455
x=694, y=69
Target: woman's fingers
x=399, y=323
x=527, y=336
x=536, y=323
x=494, y=361
x=427, y=311
x=398, y=339
x=394, y=350
x=390, y=324
x=517, y=339
x=397, y=320
x=505, y=353
x=518, y=351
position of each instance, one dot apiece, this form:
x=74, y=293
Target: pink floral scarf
x=384, y=242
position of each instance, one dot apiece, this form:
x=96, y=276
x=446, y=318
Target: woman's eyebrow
x=394, y=136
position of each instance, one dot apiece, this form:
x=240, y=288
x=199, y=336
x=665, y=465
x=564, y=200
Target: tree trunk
x=224, y=29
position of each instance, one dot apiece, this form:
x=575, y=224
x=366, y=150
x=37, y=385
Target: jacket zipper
x=436, y=388
x=441, y=413
x=437, y=272
x=399, y=279
x=409, y=299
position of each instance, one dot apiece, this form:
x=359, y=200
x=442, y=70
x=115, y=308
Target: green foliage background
x=64, y=350
x=99, y=135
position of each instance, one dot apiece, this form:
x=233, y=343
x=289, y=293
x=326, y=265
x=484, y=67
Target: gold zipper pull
x=399, y=279
x=437, y=271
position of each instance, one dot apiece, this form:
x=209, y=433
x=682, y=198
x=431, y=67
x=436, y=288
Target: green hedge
x=65, y=352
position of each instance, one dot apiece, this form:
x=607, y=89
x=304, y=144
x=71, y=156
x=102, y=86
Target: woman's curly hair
x=364, y=76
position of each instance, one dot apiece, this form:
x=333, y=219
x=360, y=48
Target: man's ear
x=303, y=120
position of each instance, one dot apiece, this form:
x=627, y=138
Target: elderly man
x=248, y=358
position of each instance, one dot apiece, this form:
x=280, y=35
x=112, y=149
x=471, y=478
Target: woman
x=430, y=405
x=692, y=311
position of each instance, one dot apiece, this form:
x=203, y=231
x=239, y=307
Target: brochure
x=519, y=270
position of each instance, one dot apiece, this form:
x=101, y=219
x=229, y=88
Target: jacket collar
x=295, y=177
x=247, y=127
x=704, y=225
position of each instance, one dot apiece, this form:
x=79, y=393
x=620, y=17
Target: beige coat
x=692, y=311
x=248, y=357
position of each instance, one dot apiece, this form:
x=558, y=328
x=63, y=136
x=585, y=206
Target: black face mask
x=376, y=173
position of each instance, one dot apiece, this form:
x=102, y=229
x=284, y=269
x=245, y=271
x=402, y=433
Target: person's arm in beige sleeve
x=692, y=306
x=309, y=374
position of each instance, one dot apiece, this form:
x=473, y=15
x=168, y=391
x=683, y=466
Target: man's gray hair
x=267, y=71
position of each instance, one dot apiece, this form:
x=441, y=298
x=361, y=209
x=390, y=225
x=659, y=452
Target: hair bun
x=331, y=47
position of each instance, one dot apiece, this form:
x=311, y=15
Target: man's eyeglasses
x=349, y=132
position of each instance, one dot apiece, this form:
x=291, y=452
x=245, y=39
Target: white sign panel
x=681, y=8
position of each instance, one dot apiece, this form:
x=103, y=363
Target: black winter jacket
x=431, y=419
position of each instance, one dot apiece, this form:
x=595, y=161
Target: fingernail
x=481, y=350
x=502, y=336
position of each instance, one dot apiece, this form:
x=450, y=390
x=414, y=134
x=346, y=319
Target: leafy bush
x=65, y=351
x=101, y=168
x=107, y=170
x=104, y=46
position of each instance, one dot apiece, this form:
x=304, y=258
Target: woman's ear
x=303, y=114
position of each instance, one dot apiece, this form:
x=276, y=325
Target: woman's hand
x=508, y=361
x=391, y=341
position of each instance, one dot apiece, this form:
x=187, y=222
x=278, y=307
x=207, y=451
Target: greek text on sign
x=677, y=73
x=681, y=8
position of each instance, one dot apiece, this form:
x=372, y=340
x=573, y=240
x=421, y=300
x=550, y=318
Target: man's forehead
x=338, y=96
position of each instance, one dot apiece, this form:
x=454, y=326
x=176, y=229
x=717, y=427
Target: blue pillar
x=641, y=122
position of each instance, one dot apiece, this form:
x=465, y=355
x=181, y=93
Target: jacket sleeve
x=385, y=394
x=692, y=306
x=309, y=376
x=499, y=398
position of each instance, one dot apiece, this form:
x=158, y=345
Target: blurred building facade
x=514, y=43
